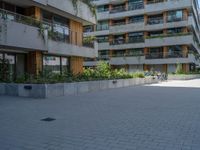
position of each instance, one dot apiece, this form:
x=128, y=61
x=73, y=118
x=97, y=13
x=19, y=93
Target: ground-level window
x=55, y=64
x=12, y=65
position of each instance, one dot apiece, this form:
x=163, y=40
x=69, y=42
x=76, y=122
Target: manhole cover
x=48, y=119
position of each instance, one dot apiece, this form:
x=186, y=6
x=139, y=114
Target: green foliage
x=102, y=71
x=89, y=39
x=88, y=2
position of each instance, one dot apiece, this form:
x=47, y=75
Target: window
x=102, y=8
x=136, y=19
x=51, y=64
x=175, y=16
x=136, y=52
x=103, y=55
x=135, y=4
x=155, y=33
x=136, y=37
x=102, y=39
x=175, y=51
x=174, y=30
x=155, y=53
x=119, y=53
x=88, y=29
x=55, y=64
x=102, y=25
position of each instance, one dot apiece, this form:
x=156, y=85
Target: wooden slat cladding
x=34, y=62
x=34, y=12
x=76, y=33
x=76, y=65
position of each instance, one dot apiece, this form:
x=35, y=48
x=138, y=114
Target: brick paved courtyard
x=158, y=117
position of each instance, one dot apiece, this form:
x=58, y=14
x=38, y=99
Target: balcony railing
x=135, y=6
x=155, y=1
x=118, y=42
x=136, y=40
x=169, y=35
x=160, y=55
x=130, y=40
x=157, y=20
x=128, y=55
x=118, y=9
x=56, y=32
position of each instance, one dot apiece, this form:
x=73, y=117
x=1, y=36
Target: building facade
x=36, y=35
x=147, y=34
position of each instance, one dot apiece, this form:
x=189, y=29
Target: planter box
x=183, y=77
x=2, y=89
x=64, y=89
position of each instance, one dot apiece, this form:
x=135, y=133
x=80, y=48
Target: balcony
x=130, y=27
x=156, y=20
x=127, y=60
x=172, y=59
x=136, y=6
x=118, y=9
x=161, y=5
x=171, y=39
x=82, y=13
x=40, y=35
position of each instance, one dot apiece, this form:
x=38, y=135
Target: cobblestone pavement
x=133, y=118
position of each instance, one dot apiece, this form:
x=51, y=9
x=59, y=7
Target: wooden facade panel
x=76, y=32
x=76, y=65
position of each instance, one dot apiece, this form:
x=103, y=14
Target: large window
x=103, y=55
x=102, y=8
x=12, y=65
x=60, y=29
x=136, y=52
x=55, y=64
x=102, y=25
x=136, y=19
x=175, y=16
x=136, y=37
x=175, y=51
x=174, y=30
x=102, y=39
x=135, y=4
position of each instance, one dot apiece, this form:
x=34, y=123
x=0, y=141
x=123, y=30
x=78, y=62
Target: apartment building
x=147, y=34
x=36, y=35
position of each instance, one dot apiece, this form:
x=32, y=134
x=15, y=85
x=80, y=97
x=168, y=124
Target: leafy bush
x=102, y=71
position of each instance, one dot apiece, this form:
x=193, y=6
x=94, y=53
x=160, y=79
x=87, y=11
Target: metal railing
x=160, y=55
x=118, y=9
x=155, y=1
x=135, y=6
x=156, y=20
x=130, y=40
